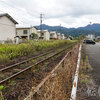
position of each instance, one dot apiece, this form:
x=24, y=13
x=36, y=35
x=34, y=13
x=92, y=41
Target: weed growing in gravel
x=36, y=69
x=87, y=61
x=12, y=82
x=1, y=96
x=84, y=81
x=11, y=51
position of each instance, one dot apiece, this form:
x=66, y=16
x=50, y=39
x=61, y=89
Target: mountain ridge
x=94, y=28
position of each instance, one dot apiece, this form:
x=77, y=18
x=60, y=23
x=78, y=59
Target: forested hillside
x=94, y=29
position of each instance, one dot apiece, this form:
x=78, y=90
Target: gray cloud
x=70, y=13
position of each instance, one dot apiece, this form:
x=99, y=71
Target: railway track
x=45, y=86
x=8, y=73
x=37, y=88
x=16, y=64
x=27, y=60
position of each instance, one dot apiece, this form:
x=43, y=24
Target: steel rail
x=8, y=67
x=34, y=90
x=24, y=70
x=19, y=63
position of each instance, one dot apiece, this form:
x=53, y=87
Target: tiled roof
x=5, y=14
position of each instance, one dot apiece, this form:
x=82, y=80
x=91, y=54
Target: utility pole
x=30, y=31
x=90, y=26
x=60, y=28
x=41, y=20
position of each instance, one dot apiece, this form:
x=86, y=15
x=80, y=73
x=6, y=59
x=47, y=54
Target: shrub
x=11, y=51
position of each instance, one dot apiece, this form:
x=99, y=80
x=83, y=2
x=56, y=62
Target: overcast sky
x=68, y=13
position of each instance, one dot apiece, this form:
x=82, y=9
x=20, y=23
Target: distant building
x=53, y=35
x=45, y=35
x=25, y=32
x=59, y=36
x=70, y=38
x=98, y=38
x=90, y=36
x=62, y=36
x=7, y=27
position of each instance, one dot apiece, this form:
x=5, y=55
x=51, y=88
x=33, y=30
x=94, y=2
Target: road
x=93, y=52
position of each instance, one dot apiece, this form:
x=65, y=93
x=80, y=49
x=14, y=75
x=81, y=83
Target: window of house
x=42, y=34
x=51, y=34
x=16, y=33
x=25, y=31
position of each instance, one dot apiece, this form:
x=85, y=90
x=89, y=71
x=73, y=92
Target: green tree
x=77, y=38
x=34, y=36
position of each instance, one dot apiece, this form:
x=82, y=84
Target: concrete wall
x=7, y=29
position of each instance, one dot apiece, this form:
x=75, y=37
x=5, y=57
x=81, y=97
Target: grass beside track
x=11, y=51
x=21, y=85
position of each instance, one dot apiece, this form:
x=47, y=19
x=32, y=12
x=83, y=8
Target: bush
x=11, y=51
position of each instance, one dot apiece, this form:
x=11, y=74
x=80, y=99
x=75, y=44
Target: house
x=44, y=35
x=25, y=32
x=98, y=38
x=70, y=38
x=62, y=36
x=90, y=36
x=59, y=36
x=53, y=35
x=7, y=27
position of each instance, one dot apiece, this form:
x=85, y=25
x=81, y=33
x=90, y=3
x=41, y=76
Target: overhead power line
x=8, y=4
x=17, y=18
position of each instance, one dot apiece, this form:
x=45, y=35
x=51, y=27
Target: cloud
x=70, y=13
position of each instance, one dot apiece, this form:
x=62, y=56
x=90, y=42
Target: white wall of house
x=20, y=31
x=45, y=34
x=7, y=29
x=34, y=30
x=62, y=36
x=91, y=36
x=59, y=36
x=98, y=38
x=53, y=35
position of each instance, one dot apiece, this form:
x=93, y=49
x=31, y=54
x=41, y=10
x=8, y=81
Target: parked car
x=89, y=41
